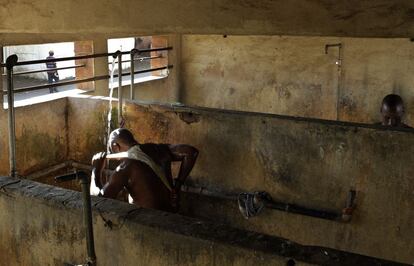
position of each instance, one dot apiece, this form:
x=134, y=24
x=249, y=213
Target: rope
x=251, y=204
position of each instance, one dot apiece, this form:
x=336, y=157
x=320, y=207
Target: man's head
x=392, y=110
x=121, y=140
x=51, y=53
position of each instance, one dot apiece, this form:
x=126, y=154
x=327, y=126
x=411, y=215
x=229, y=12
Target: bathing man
x=392, y=111
x=144, y=171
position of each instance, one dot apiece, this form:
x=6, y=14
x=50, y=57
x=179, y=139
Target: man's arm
x=117, y=182
x=187, y=155
x=98, y=164
x=99, y=184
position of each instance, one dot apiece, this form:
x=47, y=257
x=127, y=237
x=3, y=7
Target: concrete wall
x=381, y=18
x=307, y=162
x=294, y=76
x=49, y=231
x=41, y=136
x=128, y=235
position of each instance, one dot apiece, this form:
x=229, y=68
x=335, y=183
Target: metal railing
x=45, y=70
x=12, y=61
x=95, y=78
x=140, y=59
x=43, y=61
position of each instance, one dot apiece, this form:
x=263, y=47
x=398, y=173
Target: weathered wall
x=307, y=162
x=42, y=225
x=294, y=76
x=41, y=136
x=306, y=17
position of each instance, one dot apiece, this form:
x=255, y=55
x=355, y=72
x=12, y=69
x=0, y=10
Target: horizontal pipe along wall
x=306, y=162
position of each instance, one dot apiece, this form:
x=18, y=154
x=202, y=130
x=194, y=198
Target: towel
x=135, y=153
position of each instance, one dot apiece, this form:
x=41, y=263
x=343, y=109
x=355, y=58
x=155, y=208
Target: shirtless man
x=392, y=111
x=144, y=171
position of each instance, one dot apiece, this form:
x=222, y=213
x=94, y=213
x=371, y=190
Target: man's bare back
x=145, y=187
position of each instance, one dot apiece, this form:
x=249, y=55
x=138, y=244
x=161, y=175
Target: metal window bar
x=132, y=70
x=120, y=97
x=43, y=61
x=139, y=59
x=12, y=61
x=95, y=78
x=45, y=70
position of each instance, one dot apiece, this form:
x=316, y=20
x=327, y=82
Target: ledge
x=181, y=108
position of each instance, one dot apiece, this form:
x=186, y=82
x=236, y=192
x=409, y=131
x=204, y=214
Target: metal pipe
x=292, y=208
x=87, y=210
x=120, y=97
x=87, y=216
x=282, y=206
x=48, y=171
x=339, y=64
x=42, y=61
x=286, y=207
x=132, y=67
x=48, y=69
x=140, y=59
x=96, y=78
x=10, y=63
x=59, y=84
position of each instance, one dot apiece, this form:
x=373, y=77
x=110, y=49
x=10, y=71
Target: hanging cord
x=122, y=122
x=251, y=204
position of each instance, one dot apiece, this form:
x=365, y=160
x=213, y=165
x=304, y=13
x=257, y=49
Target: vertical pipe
x=338, y=92
x=131, y=93
x=339, y=64
x=120, y=88
x=10, y=62
x=1, y=76
x=87, y=216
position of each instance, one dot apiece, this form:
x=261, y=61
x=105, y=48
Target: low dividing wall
x=41, y=136
x=312, y=163
x=42, y=225
x=307, y=162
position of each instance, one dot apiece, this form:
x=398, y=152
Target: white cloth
x=135, y=153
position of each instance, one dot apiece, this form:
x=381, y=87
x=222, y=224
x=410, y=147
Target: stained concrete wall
x=294, y=76
x=42, y=225
x=382, y=18
x=41, y=136
x=306, y=162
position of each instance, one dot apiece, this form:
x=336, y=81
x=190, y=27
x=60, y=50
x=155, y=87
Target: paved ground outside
x=20, y=82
